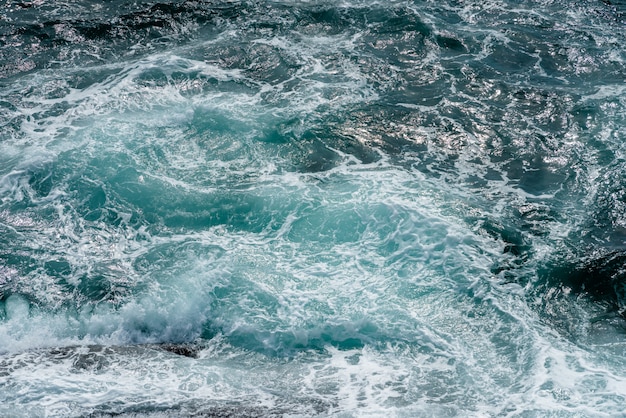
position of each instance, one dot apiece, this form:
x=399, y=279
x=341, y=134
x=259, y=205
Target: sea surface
x=352, y=208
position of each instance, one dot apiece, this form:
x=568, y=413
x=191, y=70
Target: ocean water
x=351, y=208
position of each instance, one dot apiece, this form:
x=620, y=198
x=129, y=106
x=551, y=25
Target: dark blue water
x=313, y=208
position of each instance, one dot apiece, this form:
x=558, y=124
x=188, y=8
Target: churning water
x=313, y=208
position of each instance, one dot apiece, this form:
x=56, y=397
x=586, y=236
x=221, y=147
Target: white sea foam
x=435, y=350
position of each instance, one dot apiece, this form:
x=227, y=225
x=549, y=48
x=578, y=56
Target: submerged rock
x=600, y=277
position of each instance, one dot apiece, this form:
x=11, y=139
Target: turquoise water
x=312, y=208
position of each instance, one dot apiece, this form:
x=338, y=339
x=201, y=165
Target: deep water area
x=352, y=208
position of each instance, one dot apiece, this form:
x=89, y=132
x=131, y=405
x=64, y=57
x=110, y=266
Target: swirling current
x=313, y=208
